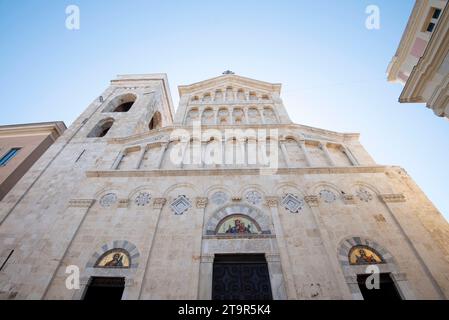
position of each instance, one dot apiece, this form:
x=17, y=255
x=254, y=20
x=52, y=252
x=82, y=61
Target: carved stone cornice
x=312, y=201
x=158, y=203
x=392, y=198
x=201, y=202
x=272, y=202
x=81, y=203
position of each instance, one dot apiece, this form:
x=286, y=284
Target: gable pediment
x=229, y=80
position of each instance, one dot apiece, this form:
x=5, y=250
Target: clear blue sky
x=331, y=66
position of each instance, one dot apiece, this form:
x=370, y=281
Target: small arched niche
x=101, y=129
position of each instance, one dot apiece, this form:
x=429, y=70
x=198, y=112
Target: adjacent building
x=421, y=62
x=225, y=199
x=20, y=147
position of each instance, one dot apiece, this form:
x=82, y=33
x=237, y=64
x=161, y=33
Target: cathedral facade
x=225, y=199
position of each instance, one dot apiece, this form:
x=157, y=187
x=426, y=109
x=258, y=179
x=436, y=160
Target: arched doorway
x=240, y=258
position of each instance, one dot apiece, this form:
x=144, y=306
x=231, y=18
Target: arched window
x=124, y=107
x=156, y=121
x=361, y=255
x=122, y=103
x=115, y=258
x=101, y=129
x=238, y=224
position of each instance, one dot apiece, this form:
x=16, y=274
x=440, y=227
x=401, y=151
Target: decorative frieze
x=201, y=202
x=348, y=198
x=81, y=203
x=312, y=201
x=271, y=202
x=123, y=203
x=399, y=197
x=158, y=203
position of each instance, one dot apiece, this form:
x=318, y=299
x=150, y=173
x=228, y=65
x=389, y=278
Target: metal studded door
x=241, y=277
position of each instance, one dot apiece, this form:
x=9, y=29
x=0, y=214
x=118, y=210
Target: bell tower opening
x=241, y=277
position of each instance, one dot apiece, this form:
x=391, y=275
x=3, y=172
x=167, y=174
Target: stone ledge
x=240, y=237
x=240, y=172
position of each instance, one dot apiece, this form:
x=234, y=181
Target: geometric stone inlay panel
x=327, y=196
x=181, y=204
x=254, y=197
x=292, y=203
x=108, y=200
x=143, y=199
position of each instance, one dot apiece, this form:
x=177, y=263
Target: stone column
x=184, y=152
x=215, y=115
x=205, y=278
x=262, y=117
x=143, y=150
x=326, y=152
x=350, y=156
x=337, y=275
x=203, y=153
x=245, y=111
x=158, y=205
x=201, y=204
x=117, y=161
x=285, y=153
x=302, y=146
x=273, y=203
x=276, y=276
x=164, y=147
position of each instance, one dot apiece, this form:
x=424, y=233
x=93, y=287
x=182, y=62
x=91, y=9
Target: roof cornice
x=406, y=39
x=55, y=129
x=434, y=55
